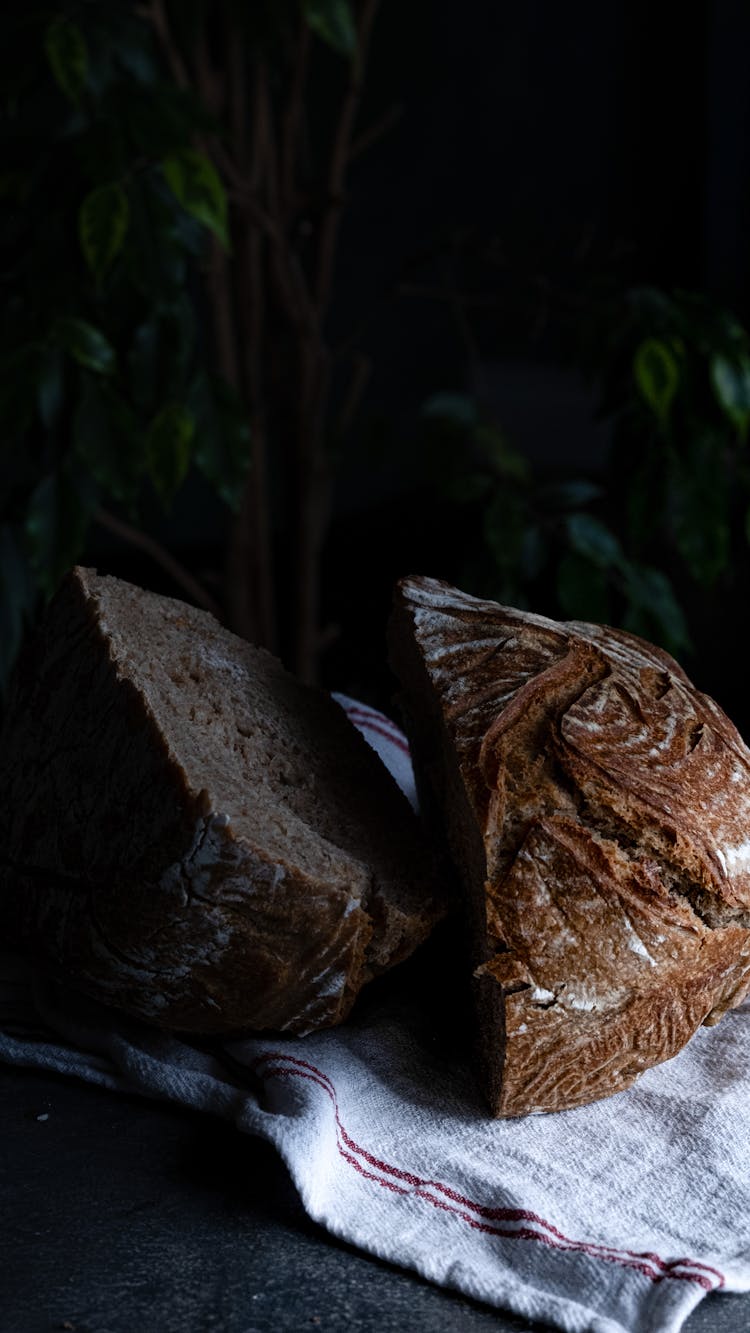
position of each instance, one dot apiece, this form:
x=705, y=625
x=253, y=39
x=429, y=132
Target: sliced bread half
x=189, y=833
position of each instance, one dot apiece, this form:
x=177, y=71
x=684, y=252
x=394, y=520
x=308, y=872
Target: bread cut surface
x=597, y=807
x=191, y=834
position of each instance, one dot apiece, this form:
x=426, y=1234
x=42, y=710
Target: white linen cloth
x=613, y=1218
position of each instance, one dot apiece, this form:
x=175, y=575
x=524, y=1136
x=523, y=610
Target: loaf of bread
x=189, y=833
x=597, y=808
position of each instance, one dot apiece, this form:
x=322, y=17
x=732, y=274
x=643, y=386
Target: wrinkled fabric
x=617, y=1217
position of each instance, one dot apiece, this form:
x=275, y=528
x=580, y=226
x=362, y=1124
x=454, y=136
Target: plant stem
x=155, y=13
x=340, y=154
x=312, y=488
x=268, y=312
x=374, y=132
x=292, y=119
x=177, y=572
x=250, y=556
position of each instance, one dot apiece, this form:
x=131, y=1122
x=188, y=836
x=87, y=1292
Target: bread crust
x=125, y=876
x=598, y=809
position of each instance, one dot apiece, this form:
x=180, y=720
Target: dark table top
x=121, y=1214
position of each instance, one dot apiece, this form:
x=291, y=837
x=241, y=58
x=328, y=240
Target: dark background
x=536, y=145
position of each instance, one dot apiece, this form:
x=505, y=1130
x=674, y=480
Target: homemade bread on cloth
x=617, y=1217
x=189, y=833
x=597, y=808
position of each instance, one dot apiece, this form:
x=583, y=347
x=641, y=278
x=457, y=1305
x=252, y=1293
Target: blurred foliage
x=105, y=391
x=534, y=534
x=663, y=521
x=114, y=203
x=111, y=207
x=676, y=380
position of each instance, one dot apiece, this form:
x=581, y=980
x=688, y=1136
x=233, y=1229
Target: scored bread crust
x=597, y=807
x=190, y=834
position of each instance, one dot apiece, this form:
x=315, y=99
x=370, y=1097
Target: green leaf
x=446, y=450
x=731, y=384
x=593, y=540
x=582, y=589
x=504, y=527
x=333, y=21
x=653, y=307
x=102, y=227
x=221, y=448
x=533, y=553
x=168, y=448
x=504, y=460
x=57, y=520
x=160, y=355
x=107, y=440
x=657, y=375
x=67, y=54
x=50, y=386
x=457, y=408
x=101, y=152
x=143, y=362
x=653, y=610
x=19, y=381
x=463, y=487
x=568, y=494
x=165, y=122
x=86, y=344
x=700, y=505
x=132, y=45
x=154, y=260
x=645, y=502
x=195, y=183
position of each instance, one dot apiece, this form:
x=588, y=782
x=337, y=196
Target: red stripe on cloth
x=644, y=1262
x=394, y=740
x=376, y=722
x=366, y=711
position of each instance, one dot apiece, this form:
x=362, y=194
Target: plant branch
x=236, y=74
x=446, y=294
x=340, y=156
x=219, y=288
x=311, y=496
x=383, y=126
x=251, y=580
x=220, y=298
x=208, y=79
x=155, y=12
x=160, y=556
x=267, y=160
x=362, y=369
x=293, y=117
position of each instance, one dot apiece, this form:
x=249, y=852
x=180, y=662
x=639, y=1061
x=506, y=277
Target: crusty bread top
x=637, y=739
x=598, y=808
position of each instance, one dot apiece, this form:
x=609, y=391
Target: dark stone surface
x=121, y=1215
